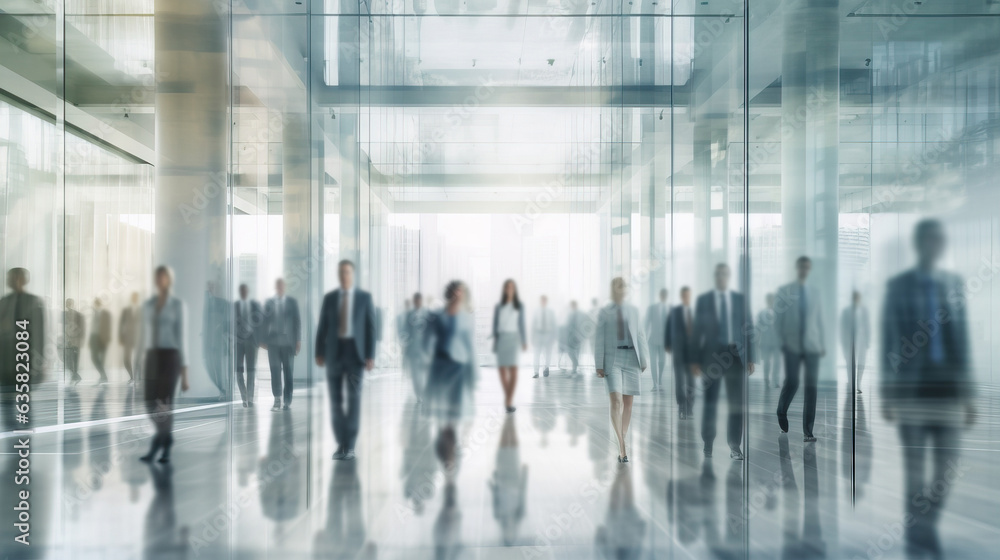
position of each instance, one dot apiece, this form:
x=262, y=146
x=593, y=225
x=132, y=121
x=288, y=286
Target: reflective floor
x=542, y=482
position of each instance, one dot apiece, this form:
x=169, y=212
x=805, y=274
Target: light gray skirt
x=623, y=377
x=508, y=347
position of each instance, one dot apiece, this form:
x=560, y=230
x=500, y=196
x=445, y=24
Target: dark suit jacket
x=271, y=328
x=706, y=328
x=31, y=308
x=907, y=324
x=103, y=330
x=363, y=325
x=128, y=326
x=676, y=337
x=248, y=324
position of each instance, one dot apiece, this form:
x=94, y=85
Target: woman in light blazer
x=162, y=342
x=621, y=354
x=508, y=335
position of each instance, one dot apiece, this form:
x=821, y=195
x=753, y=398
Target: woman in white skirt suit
x=620, y=355
x=508, y=339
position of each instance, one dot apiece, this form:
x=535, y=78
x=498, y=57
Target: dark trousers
x=344, y=377
x=925, y=495
x=683, y=386
x=127, y=358
x=246, y=353
x=793, y=363
x=279, y=357
x=724, y=368
x=71, y=357
x=161, y=373
x=98, y=352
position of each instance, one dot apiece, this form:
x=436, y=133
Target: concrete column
x=810, y=110
x=192, y=146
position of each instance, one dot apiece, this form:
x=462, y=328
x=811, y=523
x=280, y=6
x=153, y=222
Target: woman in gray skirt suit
x=620, y=355
x=508, y=335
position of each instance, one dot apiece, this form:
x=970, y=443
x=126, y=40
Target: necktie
x=937, y=344
x=723, y=321
x=621, y=324
x=343, y=313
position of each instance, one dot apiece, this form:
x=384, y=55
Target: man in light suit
x=720, y=351
x=656, y=328
x=282, y=339
x=415, y=358
x=621, y=354
x=768, y=342
x=100, y=338
x=800, y=330
x=544, y=332
x=345, y=344
x=927, y=382
x=855, y=336
x=677, y=342
x=248, y=318
x=576, y=331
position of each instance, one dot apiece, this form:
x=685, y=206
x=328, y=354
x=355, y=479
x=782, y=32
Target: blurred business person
x=509, y=339
x=282, y=339
x=100, y=338
x=800, y=330
x=768, y=342
x=411, y=337
x=656, y=328
x=576, y=332
x=345, y=344
x=720, y=354
x=677, y=341
x=248, y=317
x=927, y=382
x=163, y=345
x=544, y=333
x=19, y=312
x=450, y=335
x=128, y=333
x=855, y=336
x=621, y=355
x=74, y=332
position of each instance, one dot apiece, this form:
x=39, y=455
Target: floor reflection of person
x=620, y=355
x=509, y=339
x=509, y=483
x=74, y=333
x=448, y=526
x=282, y=472
x=161, y=536
x=419, y=465
x=163, y=343
x=855, y=337
x=624, y=530
x=128, y=334
x=926, y=381
x=344, y=537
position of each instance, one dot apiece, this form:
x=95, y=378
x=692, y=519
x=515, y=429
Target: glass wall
x=823, y=170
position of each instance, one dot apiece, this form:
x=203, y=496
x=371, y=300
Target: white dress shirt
x=719, y=296
x=348, y=296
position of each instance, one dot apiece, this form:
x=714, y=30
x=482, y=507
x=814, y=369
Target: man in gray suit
x=282, y=339
x=576, y=332
x=799, y=327
x=656, y=327
x=415, y=359
x=248, y=315
x=75, y=330
x=345, y=344
x=128, y=333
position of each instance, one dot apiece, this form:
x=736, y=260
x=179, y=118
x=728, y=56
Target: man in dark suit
x=345, y=344
x=100, y=338
x=282, y=330
x=721, y=324
x=19, y=312
x=249, y=316
x=927, y=383
x=128, y=333
x=677, y=342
